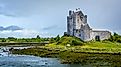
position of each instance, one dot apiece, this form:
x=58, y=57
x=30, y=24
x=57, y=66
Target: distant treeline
x=65, y=39
x=37, y=39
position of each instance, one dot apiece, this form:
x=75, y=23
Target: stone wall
x=77, y=26
x=102, y=34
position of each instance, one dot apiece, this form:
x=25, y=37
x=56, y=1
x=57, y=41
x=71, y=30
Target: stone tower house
x=77, y=26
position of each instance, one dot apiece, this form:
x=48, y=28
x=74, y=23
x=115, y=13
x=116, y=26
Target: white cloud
x=25, y=33
x=19, y=33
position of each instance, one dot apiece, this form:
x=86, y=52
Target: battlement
x=77, y=11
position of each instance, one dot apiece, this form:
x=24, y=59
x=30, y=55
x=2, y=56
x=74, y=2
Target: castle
x=77, y=26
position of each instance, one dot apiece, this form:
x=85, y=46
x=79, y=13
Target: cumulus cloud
x=12, y=28
x=15, y=31
x=25, y=33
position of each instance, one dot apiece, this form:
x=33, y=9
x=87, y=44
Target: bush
x=115, y=38
x=76, y=42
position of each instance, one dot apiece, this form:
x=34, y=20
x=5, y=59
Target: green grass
x=73, y=41
x=93, y=52
x=92, y=47
x=103, y=44
x=53, y=45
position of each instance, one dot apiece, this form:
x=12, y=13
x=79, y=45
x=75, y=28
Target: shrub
x=76, y=42
x=115, y=38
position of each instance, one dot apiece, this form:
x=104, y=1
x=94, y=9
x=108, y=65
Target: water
x=93, y=60
x=32, y=61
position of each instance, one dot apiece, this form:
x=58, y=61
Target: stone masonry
x=77, y=26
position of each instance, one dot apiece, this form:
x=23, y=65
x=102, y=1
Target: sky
x=47, y=18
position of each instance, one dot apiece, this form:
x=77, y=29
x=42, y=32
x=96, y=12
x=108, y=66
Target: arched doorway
x=97, y=38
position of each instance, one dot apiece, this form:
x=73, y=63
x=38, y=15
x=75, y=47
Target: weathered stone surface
x=77, y=26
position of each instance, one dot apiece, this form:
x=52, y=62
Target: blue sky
x=48, y=17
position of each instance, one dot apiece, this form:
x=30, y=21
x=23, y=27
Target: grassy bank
x=72, y=50
x=69, y=56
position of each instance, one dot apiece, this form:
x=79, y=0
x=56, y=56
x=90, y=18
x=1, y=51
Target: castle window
x=81, y=18
x=76, y=31
x=80, y=35
x=78, y=20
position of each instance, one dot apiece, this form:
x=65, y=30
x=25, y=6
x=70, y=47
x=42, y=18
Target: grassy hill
x=70, y=40
x=109, y=45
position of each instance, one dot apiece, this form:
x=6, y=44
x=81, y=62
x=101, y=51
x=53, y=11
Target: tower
x=77, y=25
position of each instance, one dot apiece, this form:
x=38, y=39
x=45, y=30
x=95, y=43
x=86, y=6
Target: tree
x=115, y=38
x=38, y=37
x=115, y=34
x=57, y=38
x=52, y=40
x=3, y=40
x=12, y=39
